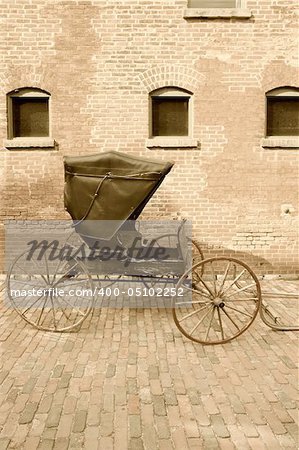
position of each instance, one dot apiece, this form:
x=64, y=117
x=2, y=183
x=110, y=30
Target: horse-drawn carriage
x=213, y=300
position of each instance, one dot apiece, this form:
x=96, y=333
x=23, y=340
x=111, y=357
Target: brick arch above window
x=290, y=91
x=24, y=90
x=33, y=77
x=166, y=90
x=182, y=77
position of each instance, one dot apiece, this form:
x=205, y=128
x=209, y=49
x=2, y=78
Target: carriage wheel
x=50, y=295
x=220, y=299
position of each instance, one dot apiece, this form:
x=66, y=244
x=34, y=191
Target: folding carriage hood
x=109, y=186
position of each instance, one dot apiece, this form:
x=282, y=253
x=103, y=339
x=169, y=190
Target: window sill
x=217, y=13
x=172, y=142
x=30, y=143
x=280, y=142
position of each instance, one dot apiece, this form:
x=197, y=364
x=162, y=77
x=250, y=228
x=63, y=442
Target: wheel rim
x=197, y=255
x=66, y=290
x=222, y=297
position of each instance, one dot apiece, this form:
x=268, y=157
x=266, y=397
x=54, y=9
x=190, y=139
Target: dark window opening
x=30, y=117
x=170, y=116
x=282, y=116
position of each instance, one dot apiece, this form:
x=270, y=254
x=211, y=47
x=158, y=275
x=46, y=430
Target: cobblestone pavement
x=129, y=380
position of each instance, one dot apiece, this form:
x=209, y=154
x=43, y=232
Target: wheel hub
x=218, y=301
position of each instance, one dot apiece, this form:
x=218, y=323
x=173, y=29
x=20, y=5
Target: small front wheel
x=51, y=295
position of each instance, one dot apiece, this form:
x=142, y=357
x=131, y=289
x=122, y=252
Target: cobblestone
x=53, y=417
x=28, y=413
x=159, y=405
x=134, y=426
x=4, y=443
x=45, y=404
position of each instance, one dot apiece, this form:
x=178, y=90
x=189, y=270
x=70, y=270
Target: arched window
x=171, y=112
x=283, y=112
x=28, y=113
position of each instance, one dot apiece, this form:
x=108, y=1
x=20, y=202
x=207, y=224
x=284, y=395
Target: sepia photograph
x=149, y=195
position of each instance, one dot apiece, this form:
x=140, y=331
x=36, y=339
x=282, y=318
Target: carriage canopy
x=109, y=186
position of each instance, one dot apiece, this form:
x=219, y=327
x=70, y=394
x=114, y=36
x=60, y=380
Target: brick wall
x=100, y=59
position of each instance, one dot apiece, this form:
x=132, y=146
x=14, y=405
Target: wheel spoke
x=57, y=267
x=64, y=275
x=197, y=291
x=28, y=283
x=240, y=290
x=229, y=317
x=239, y=311
x=39, y=269
x=205, y=285
x=214, y=277
x=192, y=303
x=24, y=270
x=200, y=321
x=43, y=308
x=35, y=301
x=240, y=299
x=224, y=278
x=53, y=312
x=62, y=309
x=210, y=324
x=234, y=281
x=220, y=323
x=72, y=306
x=192, y=313
x=47, y=268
